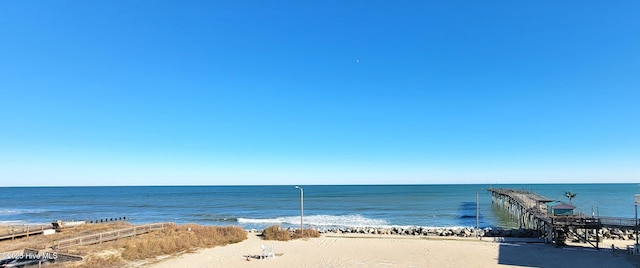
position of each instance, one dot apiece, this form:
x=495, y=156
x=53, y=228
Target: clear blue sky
x=326, y=92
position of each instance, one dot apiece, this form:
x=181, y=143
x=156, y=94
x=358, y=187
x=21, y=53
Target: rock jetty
x=425, y=231
x=609, y=233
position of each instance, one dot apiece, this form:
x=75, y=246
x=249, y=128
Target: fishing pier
x=526, y=208
x=533, y=211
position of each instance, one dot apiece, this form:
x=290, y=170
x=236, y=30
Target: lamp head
x=297, y=187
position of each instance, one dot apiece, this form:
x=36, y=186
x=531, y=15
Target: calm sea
x=324, y=206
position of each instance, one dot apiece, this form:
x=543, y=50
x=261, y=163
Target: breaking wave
x=8, y=211
x=321, y=221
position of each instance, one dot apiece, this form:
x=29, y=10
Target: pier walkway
x=527, y=208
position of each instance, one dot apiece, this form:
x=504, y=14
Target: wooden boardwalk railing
x=108, y=236
x=17, y=231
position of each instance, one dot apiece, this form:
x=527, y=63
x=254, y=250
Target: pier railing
x=108, y=236
x=576, y=221
x=618, y=222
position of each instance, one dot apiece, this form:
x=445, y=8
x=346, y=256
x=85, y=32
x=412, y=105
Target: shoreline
x=465, y=232
x=362, y=249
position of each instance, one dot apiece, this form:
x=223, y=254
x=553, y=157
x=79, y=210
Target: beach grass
x=306, y=234
x=171, y=240
x=105, y=261
x=180, y=238
x=276, y=233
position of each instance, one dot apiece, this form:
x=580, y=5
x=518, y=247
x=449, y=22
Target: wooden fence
x=108, y=236
x=15, y=231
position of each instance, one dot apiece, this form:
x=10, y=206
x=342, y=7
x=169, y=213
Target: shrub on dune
x=277, y=233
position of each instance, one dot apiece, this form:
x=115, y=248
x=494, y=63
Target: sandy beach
x=400, y=251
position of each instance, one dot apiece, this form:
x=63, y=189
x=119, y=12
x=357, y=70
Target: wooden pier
x=531, y=212
x=527, y=208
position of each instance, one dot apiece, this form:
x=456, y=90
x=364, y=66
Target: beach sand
x=333, y=250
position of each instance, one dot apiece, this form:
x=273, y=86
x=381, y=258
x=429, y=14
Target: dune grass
x=101, y=261
x=276, y=233
x=307, y=233
x=178, y=238
x=279, y=234
x=171, y=240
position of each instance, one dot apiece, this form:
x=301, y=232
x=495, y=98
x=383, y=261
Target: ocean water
x=325, y=206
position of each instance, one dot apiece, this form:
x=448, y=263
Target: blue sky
x=326, y=92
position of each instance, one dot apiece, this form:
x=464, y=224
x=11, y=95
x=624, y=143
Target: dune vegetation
x=173, y=239
x=276, y=233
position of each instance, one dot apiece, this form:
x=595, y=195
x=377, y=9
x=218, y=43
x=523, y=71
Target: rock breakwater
x=425, y=231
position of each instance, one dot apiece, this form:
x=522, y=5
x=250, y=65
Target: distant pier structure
x=527, y=208
x=554, y=221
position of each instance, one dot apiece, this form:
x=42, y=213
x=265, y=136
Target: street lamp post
x=301, y=209
x=636, y=201
x=477, y=214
